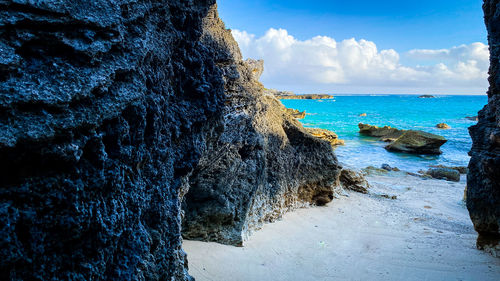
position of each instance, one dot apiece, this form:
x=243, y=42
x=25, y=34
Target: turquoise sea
x=341, y=115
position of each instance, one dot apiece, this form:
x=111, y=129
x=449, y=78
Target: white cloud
x=322, y=64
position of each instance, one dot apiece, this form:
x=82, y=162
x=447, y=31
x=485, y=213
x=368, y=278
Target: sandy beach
x=423, y=234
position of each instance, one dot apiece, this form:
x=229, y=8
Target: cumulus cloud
x=323, y=64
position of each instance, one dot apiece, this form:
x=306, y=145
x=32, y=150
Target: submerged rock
x=472, y=118
x=386, y=132
x=296, y=113
x=443, y=126
x=444, y=174
x=260, y=163
x=353, y=180
x=326, y=135
x=483, y=179
x=417, y=142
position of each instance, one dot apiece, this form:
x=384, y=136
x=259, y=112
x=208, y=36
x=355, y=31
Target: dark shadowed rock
x=417, y=142
x=260, y=163
x=483, y=179
x=104, y=107
x=386, y=132
x=353, y=180
x=444, y=174
x=426, y=96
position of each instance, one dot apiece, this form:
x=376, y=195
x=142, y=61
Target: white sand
x=425, y=234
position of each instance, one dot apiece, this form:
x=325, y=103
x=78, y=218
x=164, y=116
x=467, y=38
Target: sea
x=342, y=115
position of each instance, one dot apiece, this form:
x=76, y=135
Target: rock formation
x=260, y=164
x=109, y=112
x=326, y=135
x=353, y=180
x=104, y=106
x=297, y=114
x=385, y=133
x=483, y=179
x=443, y=126
x=426, y=96
x=287, y=95
x=444, y=174
x=417, y=142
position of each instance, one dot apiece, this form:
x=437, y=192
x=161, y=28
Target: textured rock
x=326, y=135
x=260, y=164
x=297, y=114
x=353, y=180
x=483, y=179
x=385, y=133
x=444, y=174
x=103, y=106
x=443, y=126
x=460, y=169
x=417, y=142
x=287, y=95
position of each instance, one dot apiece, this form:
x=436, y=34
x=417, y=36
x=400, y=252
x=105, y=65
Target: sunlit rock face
x=261, y=164
x=103, y=106
x=483, y=179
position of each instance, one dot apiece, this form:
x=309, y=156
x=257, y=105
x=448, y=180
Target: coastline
x=424, y=234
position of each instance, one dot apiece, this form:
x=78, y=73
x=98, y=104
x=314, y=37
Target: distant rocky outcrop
x=483, y=179
x=326, y=135
x=417, y=142
x=444, y=174
x=443, y=126
x=297, y=114
x=426, y=97
x=260, y=163
x=287, y=95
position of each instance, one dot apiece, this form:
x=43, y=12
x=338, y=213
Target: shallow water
x=341, y=115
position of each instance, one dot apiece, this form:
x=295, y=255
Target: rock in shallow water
x=444, y=174
x=417, y=142
x=353, y=180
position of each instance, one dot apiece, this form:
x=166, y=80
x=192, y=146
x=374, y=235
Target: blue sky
x=401, y=26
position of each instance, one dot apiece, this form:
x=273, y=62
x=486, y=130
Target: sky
x=414, y=47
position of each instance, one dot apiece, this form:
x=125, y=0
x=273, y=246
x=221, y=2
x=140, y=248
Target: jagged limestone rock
x=260, y=164
x=104, y=107
x=483, y=179
x=417, y=142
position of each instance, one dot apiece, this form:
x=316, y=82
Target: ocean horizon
x=341, y=114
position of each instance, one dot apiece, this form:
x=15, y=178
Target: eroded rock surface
x=103, y=107
x=417, y=142
x=483, y=179
x=326, y=135
x=260, y=164
x=385, y=133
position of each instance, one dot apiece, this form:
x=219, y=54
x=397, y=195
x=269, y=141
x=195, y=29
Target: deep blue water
x=341, y=115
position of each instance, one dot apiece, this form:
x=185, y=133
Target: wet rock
x=326, y=135
x=417, y=142
x=444, y=174
x=363, y=115
x=426, y=97
x=443, y=126
x=483, y=179
x=386, y=132
x=460, y=169
x=353, y=180
x=371, y=170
